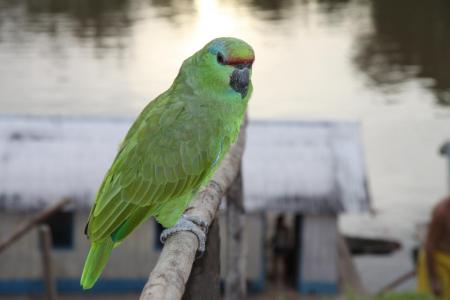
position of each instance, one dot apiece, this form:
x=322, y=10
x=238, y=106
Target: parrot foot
x=192, y=224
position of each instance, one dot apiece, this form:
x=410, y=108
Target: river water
x=385, y=63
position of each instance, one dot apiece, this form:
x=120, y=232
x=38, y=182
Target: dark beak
x=239, y=80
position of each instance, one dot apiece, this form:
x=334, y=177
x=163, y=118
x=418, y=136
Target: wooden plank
x=235, y=281
x=28, y=225
x=45, y=241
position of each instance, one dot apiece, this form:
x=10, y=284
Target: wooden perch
x=168, y=278
x=27, y=225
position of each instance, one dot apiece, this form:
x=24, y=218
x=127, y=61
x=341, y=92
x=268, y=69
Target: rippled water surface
x=314, y=58
x=383, y=62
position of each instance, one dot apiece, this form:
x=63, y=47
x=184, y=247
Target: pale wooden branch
x=28, y=225
x=399, y=280
x=168, y=278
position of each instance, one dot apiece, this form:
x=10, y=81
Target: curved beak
x=240, y=79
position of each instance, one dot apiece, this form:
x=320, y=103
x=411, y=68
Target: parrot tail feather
x=95, y=262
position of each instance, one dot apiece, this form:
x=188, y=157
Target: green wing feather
x=161, y=160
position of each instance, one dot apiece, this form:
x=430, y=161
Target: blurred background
x=382, y=63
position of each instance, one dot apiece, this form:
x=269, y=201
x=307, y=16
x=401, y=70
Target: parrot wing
x=163, y=157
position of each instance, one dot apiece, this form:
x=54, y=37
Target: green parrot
x=172, y=149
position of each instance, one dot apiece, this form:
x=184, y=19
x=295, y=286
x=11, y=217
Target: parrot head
x=224, y=65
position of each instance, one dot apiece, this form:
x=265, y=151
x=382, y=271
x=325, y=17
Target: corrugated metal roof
x=305, y=166
x=302, y=166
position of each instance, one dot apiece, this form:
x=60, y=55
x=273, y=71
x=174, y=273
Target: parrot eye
x=220, y=58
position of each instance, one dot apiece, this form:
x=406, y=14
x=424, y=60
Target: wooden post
x=235, y=281
x=445, y=150
x=26, y=226
x=392, y=285
x=351, y=280
x=45, y=241
x=204, y=281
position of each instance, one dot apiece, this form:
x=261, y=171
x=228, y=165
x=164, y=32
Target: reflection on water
x=170, y=9
x=410, y=39
x=332, y=7
x=400, y=40
x=84, y=18
x=272, y=10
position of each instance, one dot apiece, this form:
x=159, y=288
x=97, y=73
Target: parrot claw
x=192, y=224
x=197, y=221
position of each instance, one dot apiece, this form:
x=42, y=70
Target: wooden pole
x=445, y=150
x=45, y=241
x=347, y=270
x=407, y=276
x=168, y=278
x=28, y=225
x=204, y=280
x=235, y=281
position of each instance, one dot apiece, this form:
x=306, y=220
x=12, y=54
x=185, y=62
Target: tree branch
x=168, y=278
x=28, y=225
